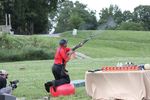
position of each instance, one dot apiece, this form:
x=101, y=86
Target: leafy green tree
x=113, y=11
x=131, y=26
x=63, y=15
x=30, y=16
x=142, y=14
x=75, y=21
x=75, y=15
x=2, y=14
x=127, y=16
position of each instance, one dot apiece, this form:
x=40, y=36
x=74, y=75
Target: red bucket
x=63, y=90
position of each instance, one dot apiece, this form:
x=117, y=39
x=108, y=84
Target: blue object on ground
x=78, y=83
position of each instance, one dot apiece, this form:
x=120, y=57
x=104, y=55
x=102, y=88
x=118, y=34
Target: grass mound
x=105, y=44
x=17, y=48
x=113, y=43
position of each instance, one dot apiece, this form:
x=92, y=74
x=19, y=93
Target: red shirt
x=61, y=56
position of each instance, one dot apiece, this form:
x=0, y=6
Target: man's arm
x=69, y=52
x=68, y=49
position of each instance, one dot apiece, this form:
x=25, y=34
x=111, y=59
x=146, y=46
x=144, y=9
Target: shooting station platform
x=122, y=85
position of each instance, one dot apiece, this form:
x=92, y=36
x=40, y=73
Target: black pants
x=61, y=77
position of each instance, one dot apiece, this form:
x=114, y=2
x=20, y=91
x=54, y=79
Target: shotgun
x=82, y=42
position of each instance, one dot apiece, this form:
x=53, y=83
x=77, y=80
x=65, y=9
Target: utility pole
x=9, y=16
x=6, y=20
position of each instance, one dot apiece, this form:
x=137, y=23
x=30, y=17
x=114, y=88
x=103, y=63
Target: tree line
x=77, y=15
x=38, y=16
x=138, y=20
x=28, y=16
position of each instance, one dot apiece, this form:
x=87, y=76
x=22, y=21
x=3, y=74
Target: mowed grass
x=114, y=43
x=33, y=74
x=106, y=43
x=107, y=48
x=109, y=43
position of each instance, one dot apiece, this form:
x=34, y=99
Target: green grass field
x=37, y=72
x=107, y=48
x=115, y=44
x=111, y=43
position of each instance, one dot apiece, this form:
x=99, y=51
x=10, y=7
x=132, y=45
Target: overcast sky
x=123, y=4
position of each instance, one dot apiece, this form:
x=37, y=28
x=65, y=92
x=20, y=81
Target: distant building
x=7, y=27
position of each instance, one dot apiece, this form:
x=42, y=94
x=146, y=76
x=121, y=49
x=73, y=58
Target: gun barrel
x=76, y=47
x=82, y=43
x=85, y=41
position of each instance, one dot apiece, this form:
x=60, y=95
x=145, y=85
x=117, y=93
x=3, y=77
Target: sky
x=123, y=4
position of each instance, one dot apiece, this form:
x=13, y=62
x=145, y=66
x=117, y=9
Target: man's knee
x=48, y=84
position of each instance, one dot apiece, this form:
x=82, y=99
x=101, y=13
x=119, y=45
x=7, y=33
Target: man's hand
x=70, y=53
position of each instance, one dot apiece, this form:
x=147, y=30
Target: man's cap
x=62, y=42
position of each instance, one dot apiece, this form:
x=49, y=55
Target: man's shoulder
x=68, y=49
x=62, y=50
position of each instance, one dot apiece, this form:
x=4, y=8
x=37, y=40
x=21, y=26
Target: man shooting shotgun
x=62, y=56
x=58, y=69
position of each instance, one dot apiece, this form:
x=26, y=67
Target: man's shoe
x=48, y=85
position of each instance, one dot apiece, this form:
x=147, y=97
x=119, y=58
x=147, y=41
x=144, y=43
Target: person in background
x=62, y=56
x=4, y=89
